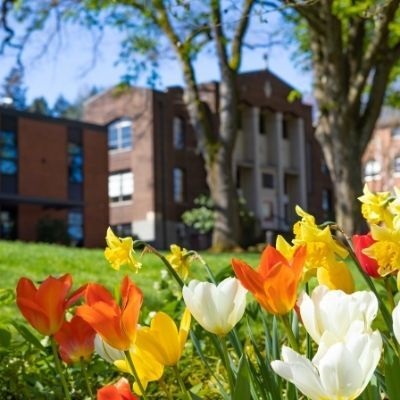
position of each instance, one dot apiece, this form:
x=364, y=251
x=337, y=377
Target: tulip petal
x=107, y=352
x=269, y=258
x=396, y=322
x=300, y=371
x=248, y=277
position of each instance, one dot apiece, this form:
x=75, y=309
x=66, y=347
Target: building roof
x=55, y=120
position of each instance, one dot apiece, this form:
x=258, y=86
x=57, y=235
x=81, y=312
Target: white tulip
x=396, y=322
x=216, y=308
x=106, y=351
x=337, y=312
x=338, y=371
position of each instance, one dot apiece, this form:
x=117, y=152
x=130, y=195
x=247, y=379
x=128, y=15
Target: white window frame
x=119, y=126
x=121, y=186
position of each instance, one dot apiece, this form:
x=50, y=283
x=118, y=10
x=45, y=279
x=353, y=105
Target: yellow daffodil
x=179, y=259
x=386, y=249
x=120, y=251
x=333, y=273
x=322, y=248
x=162, y=339
x=394, y=208
x=375, y=207
x=148, y=369
x=336, y=276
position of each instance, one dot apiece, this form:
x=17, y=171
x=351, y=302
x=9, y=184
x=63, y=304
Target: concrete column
x=280, y=200
x=256, y=172
x=301, y=148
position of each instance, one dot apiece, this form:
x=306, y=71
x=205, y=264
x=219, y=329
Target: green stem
x=85, y=377
x=181, y=383
x=385, y=313
x=227, y=364
x=59, y=368
x=165, y=388
x=134, y=373
x=289, y=333
x=167, y=264
x=389, y=292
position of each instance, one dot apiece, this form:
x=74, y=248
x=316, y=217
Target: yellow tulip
x=375, y=207
x=146, y=366
x=163, y=340
x=180, y=260
x=120, y=251
x=336, y=276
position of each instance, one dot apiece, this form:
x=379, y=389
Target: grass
x=37, y=261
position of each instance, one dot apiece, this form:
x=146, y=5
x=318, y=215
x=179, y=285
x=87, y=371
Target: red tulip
x=116, y=325
x=76, y=340
x=369, y=265
x=119, y=391
x=274, y=283
x=44, y=307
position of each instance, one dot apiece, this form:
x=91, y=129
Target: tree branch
x=378, y=38
x=219, y=37
x=241, y=28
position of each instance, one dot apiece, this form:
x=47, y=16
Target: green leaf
x=5, y=337
x=28, y=335
x=392, y=368
x=242, y=387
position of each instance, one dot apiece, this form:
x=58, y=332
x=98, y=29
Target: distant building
x=53, y=176
x=156, y=172
x=381, y=160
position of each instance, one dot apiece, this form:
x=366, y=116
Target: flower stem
x=289, y=333
x=59, y=368
x=389, y=292
x=227, y=364
x=181, y=383
x=85, y=377
x=134, y=373
x=165, y=388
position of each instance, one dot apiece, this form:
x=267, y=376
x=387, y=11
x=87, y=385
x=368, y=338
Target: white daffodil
x=338, y=371
x=106, y=351
x=337, y=312
x=216, y=308
x=396, y=322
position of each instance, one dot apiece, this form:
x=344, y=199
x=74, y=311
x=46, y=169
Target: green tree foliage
x=353, y=49
x=39, y=106
x=13, y=88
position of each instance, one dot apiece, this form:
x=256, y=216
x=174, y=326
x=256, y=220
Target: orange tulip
x=76, y=340
x=44, y=307
x=116, y=325
x=274, y=283
x=119, y=391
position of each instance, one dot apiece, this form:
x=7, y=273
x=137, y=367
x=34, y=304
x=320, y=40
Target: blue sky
x=66, y=68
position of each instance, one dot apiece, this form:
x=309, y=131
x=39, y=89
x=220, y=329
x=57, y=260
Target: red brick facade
x=39, y=187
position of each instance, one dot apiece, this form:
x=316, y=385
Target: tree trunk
x=225, y=235
x=338, y=139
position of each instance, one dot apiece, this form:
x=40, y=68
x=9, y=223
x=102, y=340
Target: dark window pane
x=8, y=167
x=9, y=184
x=8, y=223
x=267, y=181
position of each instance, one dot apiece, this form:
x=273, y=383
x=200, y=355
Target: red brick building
x=156, y=171
x=381, y=160
x=52, y=170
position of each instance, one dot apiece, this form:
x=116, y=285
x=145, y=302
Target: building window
x=372, y=169
x=396, y=132
x=396, y=164
x=122, y=230
x=285, y=128
x=8, y=153
x=261, y=123
x=120, y=186
x=326, y=200
x=267, y=181
x=75, y=163
x=179, y=185
x=8, y=223
x=179, y=133
x=120, y=135
x=75, y=227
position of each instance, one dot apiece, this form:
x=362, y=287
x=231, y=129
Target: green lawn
x=37, y=261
